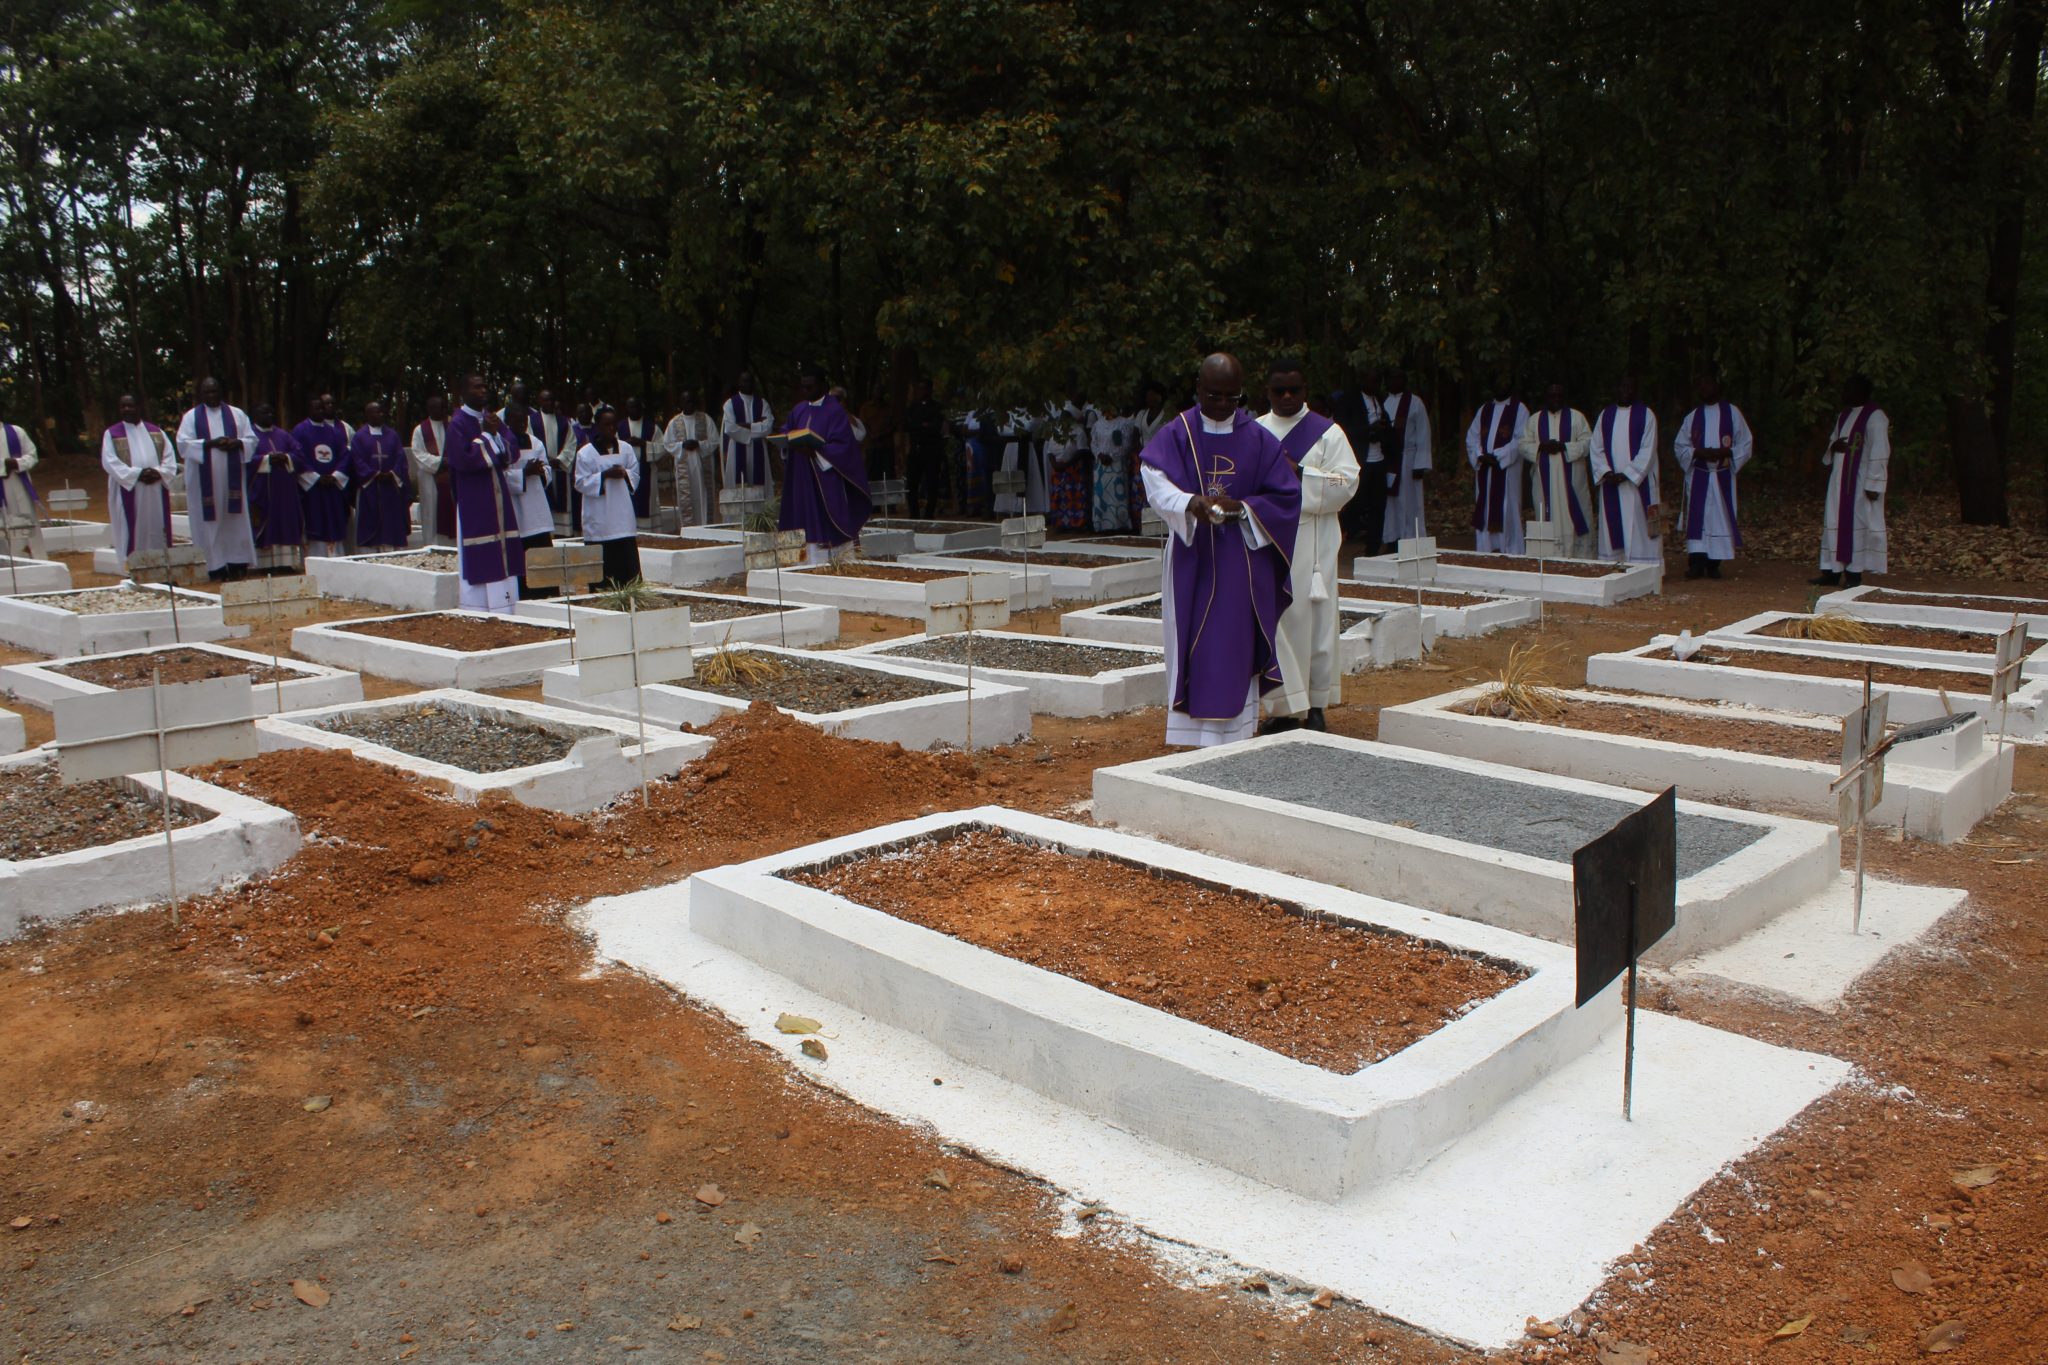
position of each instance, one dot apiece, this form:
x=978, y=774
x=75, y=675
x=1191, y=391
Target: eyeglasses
x=1282, y=390
x=1210, y=397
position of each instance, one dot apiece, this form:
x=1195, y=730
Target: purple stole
x=1397, y=418
x=235, y=470
x=1571, y=494
x=1610, y=495
x=1702, y=477
x=14, y=453
x=1228, y=598
x=156, y=434
x=752, y=466
x=275, y=495
x=1489, y=508
x=1297, y=443
x=1852, y=474
x=490, y=548
x=645, y=489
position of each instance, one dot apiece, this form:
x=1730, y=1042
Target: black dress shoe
x=1826, y=580
x=1279, y=725
x=1852, y=580
x=1713, y=568
x=1314, y=720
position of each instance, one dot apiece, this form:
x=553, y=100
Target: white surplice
x=1567, y=477
x=24, y=533
x=1869, y=550
x=1406, y=515
x=1639, y=529
x=1306, y=642
x=229, y=538
x=1501, y=437
x=1717, y=529
x=126, y=450
x=429, y=440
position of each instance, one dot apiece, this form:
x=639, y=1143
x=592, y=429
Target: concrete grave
x=1649, y=668
x=1471, y=569
x=1065, y=582
x=431, y=665
x=20, y=575
x=1481, y=840
x=49, y=624
x=1936, y=789
x=686, y=565
x=1002, y=714
x=878, y=596
x=1957, y=611
x=601, y=765
x=387, y=580
x=799, y=626
x=886, y=544
x=1474, y=613
x=928, y=537
x=241, y=838
x=1138, y=683
x=1370, y=635
x=13, y=732
x=1749, y=631
x=46, y=683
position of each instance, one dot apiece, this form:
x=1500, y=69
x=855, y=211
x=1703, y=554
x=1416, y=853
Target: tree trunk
x=1978, y=462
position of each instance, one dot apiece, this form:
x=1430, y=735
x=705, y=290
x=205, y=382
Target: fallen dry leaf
x=1975, y=1178
x=710, y=1196
x=813, y=1048
x=796, y=1023
x=938, y=1180
x=1792, y=1328
x=941, y=1258
x=685, y=1322
x=1855, y=1334
x=747, y=1235
x=23, y=1223
x=1912, y=1278
x=316, y=1103
x=1542, y=1331
x=1065, y=1319
x=1942, y=1337
x=310, y=1294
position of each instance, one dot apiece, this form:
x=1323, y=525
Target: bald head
x=1219, y=384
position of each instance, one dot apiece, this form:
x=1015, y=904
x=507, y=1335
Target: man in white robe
x=689, y=443
x=1493, y=447
x=1310, y=676
x=745, y=426
x=1712, y=444
x=1858, y=460
x=1016, y=452
x=21, y=532
x=140, y=463
x=1555, y=446
x=1624, y=461
x=429, y=440
x=216, y=445
x=1409, y=420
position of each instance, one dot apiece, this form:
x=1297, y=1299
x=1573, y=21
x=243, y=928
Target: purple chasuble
x=381, y=518
x=1852, y=475
x=1489, y=505
x=828, y=506
x=275, y=495
x=163, y=499
x=1227, y=597
x=1703, y=477
x=486, y=518
x=1571, y=494
x=14, y=453
x=237, y=472
x=322, y=449
x=1610, y=494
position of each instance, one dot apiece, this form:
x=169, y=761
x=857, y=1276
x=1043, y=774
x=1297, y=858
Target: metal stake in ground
x=772, y=550
x=972, y=602
x=1863, y=750
x=287, y=596
x=617, y=652
x=1416, y=558
x=1624, y=894
x=169, y=559
x=570, y=569
x=127, y=730
x=1025, y=534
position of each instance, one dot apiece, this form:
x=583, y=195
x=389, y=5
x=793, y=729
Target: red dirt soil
x=466, y=634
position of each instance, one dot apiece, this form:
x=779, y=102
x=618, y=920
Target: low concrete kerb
x=798, y=626
x=1621, y=583
x=1111, y=692
x=1749, y=632
x=378, y=578
x=44, y=684
x=431, y=665
x=1937, y=609
x=20, y=575
x=32, y=624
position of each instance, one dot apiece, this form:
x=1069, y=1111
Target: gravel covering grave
x=176, y=666
x=1432, y=799
x=1405, y=597
x=1332, y=995
x=41, y=817
x=1837, y=666
x=432, y=561
x=1142, y=542
x=1059, y=558
x=101, y=601
x=819, y=686
x=480, y=744
x=467, y=634
x=702, y=608
x=927, y=528
x=1025, y=656
x=1148, y=610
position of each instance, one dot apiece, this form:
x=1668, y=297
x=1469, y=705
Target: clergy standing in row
x=639, y=430
x=1321, y=456
x=215, y=444
x=558, y=441
x=1624, y=461
x=488, y=547
x=323, y=458
x=275, y=515
x=689, y=441
x=1231, y=503
x=747, y=424
x=21, y=531
x=1408, y=460
x=1712, y=444
x=379, y=468
x=1556, y=443
x=140, y=463
x=532, y=477
x=430, y=478
x=607, y=472
x=1358, y=410
x=1858, y=461
x=825, y=480
x=1493, y=447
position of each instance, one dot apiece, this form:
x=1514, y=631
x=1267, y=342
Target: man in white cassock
x=745, y=424
x=140, y=463
x=23, y=532
x=691, y=441
x=1555, y=445
x=1493, y=447
x=1712, y=444
x=1408, y=466
x=1858, y=460
x=1624, y=461
x=1310, y=675
x=429, y=479
x=216, y=445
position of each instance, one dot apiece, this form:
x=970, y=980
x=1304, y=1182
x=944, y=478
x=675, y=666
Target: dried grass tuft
x=1522, y=690
x=729, y=667
x=1830, y=625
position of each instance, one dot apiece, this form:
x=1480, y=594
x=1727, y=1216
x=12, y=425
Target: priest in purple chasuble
x=825, y=479
x=215, y=440
x=383, y=479
x=487, y=539
x=274, y=493
x=323, y=462
x=1232, y=504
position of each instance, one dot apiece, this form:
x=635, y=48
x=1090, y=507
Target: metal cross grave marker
x=2008, y=659
x=634, y=649
x=1860, y=786
x=268, y=600
x=1624, y=896
x=569, y=569
x=774, y=550
x=172, y=565
x=973, y=602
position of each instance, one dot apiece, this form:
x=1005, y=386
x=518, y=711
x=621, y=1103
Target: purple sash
x=1398, y=420
x=1571, y=494
x=752, y=465
x=1845, y=502
x=1610, y=494
x=155, y=434
x=1703, y=477
x=199, y=429
x=1296, y=444
x=1489, y=508
x=14, y=452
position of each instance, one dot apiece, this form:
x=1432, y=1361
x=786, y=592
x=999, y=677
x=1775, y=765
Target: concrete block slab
x=877, y=596
x=1141, y=682
x=684, y=565
x=1750, y=631
x=1957, y=610
x=20, y=575
x=13, y=732
x=380, y=578
x=1471, y=569
x=798, y=626
x=929, y=537
x=67, y=537
x=430, y=665
x=1066, y=582
x=1470, y=614
x=44, y=684
x=49, y=624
